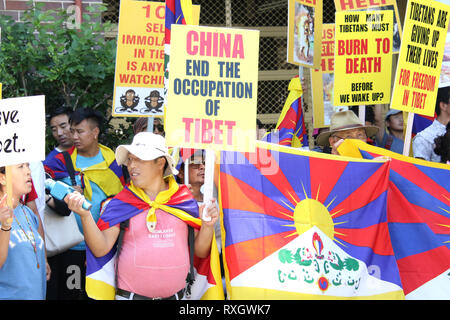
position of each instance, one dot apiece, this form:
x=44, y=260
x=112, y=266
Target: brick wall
x=15, y=8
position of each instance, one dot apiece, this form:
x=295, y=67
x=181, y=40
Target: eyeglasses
x=360, y=136
x=196, y=165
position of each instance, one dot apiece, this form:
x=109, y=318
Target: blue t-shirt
x=20, y=278
x=396, y=145
x=97, y=194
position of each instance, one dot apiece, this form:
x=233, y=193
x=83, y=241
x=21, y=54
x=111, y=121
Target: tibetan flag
x=180, y=155
x=420, y=123
x=419, y=220
x=305, y=225
x=177, y=12
x=108, y=175
x=290, y=127
x=178, y=201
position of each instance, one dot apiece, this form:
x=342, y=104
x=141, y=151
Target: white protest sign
x=22, y=130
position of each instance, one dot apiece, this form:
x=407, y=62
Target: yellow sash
x=160, y=203
x=100, y=174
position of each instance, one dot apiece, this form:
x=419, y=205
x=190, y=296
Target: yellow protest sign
x=139, y=74
x=363, y=57
x=304, y=32
x=323, y=80
x=369, y=5
x=212, y=97
x=420, y=59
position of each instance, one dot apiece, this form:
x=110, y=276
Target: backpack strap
x=123, y=226
x=190, y=276
x=389, y=141
x=191, y=240
x=69, y=166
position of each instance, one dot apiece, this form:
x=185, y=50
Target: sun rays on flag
x=311, y=212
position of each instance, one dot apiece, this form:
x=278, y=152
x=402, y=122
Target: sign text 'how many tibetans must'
x=363, y=57
x=419, y=63
x=212, y=88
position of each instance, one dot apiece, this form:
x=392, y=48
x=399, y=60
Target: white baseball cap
x=147, y=146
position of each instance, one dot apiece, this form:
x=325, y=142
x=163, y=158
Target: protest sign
x=304, y=32
x=212, y=88
x=323, y=81
x=22, y=130
x=370, y=5
x=420, y=59
x=363, y=57
x=139, y=76
x=445, y=68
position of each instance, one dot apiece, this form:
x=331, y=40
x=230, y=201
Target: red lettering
x=208, y=131
x=205, y=44
x=215, y=44
x=347, y=5
x=218, y=132
x=230, y=125
x=187, y=128
x=161, y=12
x=207, y=136
x=197, y=130
x=191, y=37
x=357, y=4
x=238, y=48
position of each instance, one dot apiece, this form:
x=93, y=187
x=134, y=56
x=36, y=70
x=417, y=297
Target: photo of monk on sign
x=304, y=34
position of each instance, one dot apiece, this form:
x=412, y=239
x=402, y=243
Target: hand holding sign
x=6, y=214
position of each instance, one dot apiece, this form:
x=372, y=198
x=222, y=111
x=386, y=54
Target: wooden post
x=9, y=189
x=362, y=114
x=186, y=171
x=9, y=199
x=150, y=124
x=408, y=133
x=209, y=180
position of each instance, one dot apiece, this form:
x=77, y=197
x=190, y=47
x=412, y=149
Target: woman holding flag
x=153, y=256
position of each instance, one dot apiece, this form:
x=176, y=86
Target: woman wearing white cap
x=154, y=256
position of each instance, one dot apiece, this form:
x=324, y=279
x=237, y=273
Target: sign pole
x=408, y=134
x=362, y=113
x=9, y=192
x=209, y=180
x=186, y=171
x=150, y=124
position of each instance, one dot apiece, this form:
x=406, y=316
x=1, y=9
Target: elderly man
x=153, y=258
x=345, y=125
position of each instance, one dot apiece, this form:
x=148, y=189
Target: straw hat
x=341, y=121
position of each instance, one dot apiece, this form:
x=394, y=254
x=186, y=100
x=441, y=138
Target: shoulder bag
x=61, y=232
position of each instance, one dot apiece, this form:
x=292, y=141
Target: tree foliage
x=44, y=54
